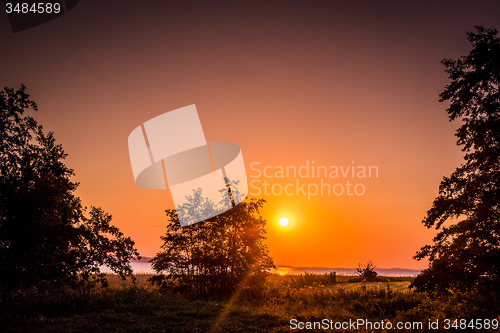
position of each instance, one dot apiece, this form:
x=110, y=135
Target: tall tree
x=217, y=255
x=45, y=236
x=467, y=253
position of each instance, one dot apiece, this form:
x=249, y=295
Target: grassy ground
x=125, y=307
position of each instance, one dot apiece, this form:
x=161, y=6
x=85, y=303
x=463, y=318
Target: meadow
x=124, y=306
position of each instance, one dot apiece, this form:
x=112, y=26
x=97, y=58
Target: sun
x=283, y=222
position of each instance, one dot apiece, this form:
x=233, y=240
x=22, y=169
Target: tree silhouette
x=367, y=271
x=215, y=256
x=45, y=236
x=467, y=254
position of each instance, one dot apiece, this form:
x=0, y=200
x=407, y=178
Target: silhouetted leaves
x=367, y=271
x=216, y=255
x=467, y=254
x=45, y=236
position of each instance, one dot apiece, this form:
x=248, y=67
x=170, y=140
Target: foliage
x=367, y=271
x=467, y=254
x=125, y=307
x=458, y=304
x=144, y=309
x=308, y=279
x=45, y=236
x=217, y=255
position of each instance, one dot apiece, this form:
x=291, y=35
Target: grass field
x=125, y=307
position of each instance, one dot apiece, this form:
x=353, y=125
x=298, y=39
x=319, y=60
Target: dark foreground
x=287, y=303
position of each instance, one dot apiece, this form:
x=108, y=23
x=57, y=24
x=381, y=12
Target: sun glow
x=283, y=221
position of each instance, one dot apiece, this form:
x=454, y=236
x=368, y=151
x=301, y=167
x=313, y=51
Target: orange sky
x=288, y=81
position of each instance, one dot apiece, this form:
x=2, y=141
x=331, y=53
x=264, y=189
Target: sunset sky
x=290, y=82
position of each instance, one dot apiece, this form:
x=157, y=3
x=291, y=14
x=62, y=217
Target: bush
x=367, y=271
